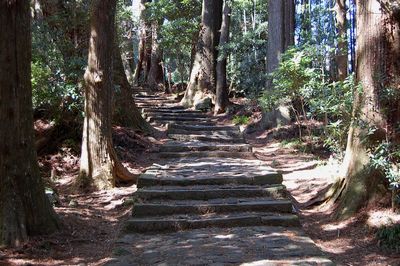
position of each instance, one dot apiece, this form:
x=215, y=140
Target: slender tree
x=377, y=67
x=203, y=74
x=100, y=166
x=222, y=97
x=341, y=25
x=24, y=208
x=144, y=52
x=156, y=73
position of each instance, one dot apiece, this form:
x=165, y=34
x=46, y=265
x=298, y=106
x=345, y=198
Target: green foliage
x=57, y=63
x=248, y=47
x=241, y=120
x=389, y=237
x=301, y=82
x=386, y=158
x=178, y=32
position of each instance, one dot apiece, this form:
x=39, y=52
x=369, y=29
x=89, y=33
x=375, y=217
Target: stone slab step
x=210, y=138
x=160, y=105
x=174, y=115
x=170, y=111
x=204, y=207
x=146, y=180
x=203, y=146
x=227, y=133
x=179, y=120
x=169, y=122
x=204, y=128
x=211, y=192
x=178, y=223
x=208, y=154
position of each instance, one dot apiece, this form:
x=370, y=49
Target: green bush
x=389, y=237
x=241, y=120
x=301, y=83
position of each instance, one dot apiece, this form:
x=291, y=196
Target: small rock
x=73, y=203
x=203, y=104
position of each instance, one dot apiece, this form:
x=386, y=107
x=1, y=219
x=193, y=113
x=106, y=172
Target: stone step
x=203, y=146
x=170, y=122
x=211, y=192
x=185, y=222
x=204, y=128
x=154, y=101
x=179, y=120
x=208, y=154
x=210, y=138
x=212, y=206
x=176, y=115
x=170, y=111
x=225, y=133
x=147, y=180
x=159, y=105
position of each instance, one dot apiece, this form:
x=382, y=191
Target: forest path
x=209, y=201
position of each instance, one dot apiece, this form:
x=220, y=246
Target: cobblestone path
x=209, y=201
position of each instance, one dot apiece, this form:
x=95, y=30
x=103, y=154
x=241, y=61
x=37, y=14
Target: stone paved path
x=209, y=201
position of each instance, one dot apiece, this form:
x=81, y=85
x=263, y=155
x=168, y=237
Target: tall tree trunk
x=281, y=26
x=377, y=53
x=100, y=166
x=143, y=58
x=341, y=25
x=24, y=208
x=203, y=75
x=126, y=112
x=222, y=97
x=156, y=74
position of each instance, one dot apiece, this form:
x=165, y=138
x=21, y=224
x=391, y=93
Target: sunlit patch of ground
x=348, y=242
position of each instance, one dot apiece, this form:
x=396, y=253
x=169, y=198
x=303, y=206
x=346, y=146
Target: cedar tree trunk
x=24, y=208
x=341, y=25
x=222, y=96
x=155, y=78
x=127, y=114
x=377, y=66
x=203, y=73
x=100, y=167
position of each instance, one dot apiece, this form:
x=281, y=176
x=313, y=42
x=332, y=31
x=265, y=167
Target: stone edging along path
x=209, y=201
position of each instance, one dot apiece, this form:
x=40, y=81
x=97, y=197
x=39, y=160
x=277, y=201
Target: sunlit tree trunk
x=377, y=66
x=100, y=166
x=24, y=208
x=222, y=97
x=156, y=76
x=126, y=112
x=341, y=25
x=203, y=74
x=143, y=63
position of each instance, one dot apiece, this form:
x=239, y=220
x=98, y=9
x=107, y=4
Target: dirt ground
x=91, y=221
x=347, y=242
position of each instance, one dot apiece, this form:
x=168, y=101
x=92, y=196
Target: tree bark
x=341, y=25
x=377, y=52
x=156, y=74
x=143, y=63
x=222, y=95
x=281, y=26
x=203, y=74
x=126, y=112
x=24, y=208
x=280, y=30
x=100, y=166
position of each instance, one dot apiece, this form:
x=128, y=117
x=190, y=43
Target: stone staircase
x=207, y=178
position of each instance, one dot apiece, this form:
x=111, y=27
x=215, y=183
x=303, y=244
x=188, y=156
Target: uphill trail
x=209, y=200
